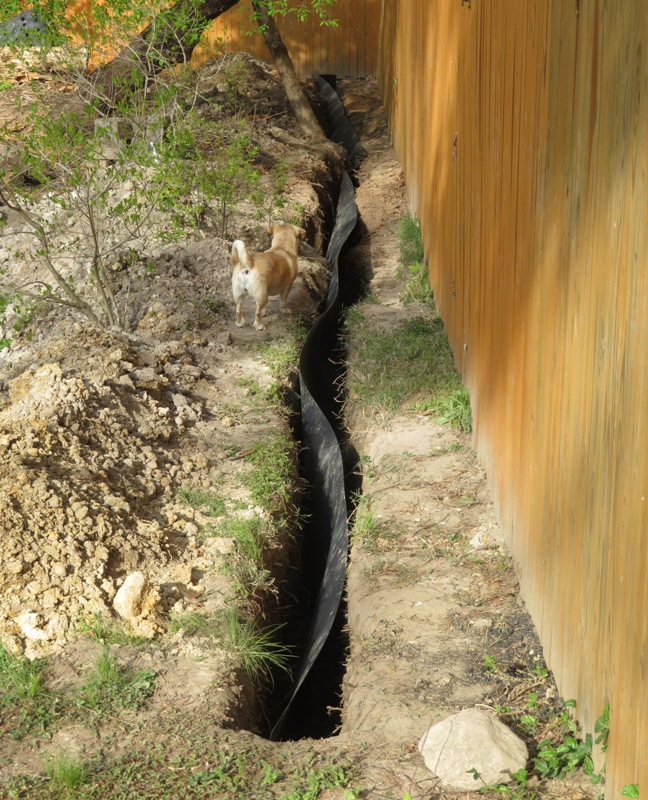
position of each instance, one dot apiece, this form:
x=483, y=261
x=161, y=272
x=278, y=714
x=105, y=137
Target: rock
x=136, y=602
x=130, y=599
x=472, y=739
x=30, y=625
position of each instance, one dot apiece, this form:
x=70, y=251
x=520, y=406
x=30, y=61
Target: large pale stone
x=130, y=599
x=472, y=739
x=137, y=602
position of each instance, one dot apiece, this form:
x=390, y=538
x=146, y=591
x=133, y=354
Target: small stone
x=30, y=625
x=116, y=502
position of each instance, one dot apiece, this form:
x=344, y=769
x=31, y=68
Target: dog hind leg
x=260, y=310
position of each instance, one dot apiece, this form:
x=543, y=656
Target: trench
x=309, y=705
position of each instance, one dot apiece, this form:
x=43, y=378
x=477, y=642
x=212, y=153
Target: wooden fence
x=349, y=49
x=523, y=130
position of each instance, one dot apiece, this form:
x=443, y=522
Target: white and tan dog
x=263, y=275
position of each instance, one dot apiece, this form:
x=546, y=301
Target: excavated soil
x=99, y=431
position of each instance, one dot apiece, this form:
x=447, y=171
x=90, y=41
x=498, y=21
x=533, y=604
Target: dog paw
x=259, y=327
x=240, y=324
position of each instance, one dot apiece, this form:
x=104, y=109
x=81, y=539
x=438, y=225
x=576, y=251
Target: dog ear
x=270, y=231
x=300, y=232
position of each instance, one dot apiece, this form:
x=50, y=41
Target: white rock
x=129, y=600
x=30, y=625
x=472, y=739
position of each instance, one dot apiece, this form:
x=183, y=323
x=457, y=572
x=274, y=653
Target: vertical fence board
x=346, y=50
x=522, y=130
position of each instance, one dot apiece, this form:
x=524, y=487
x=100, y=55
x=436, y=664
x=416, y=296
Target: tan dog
x=264, y=275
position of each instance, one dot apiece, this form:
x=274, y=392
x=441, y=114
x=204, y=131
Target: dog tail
x=240, y=255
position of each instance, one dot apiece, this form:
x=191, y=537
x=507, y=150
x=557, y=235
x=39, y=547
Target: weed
x=454, y=409
x=23, y=694
x=373, y=532
x=257, y=649
x=564, y=753
x=557, y=760
x=539, y=671
x=417, y=284
x=215, y=306
x=319, y=778
x=209, y=766
x=529, y=724
x=490, y=664
x=67, y=773
x=108, y=630
x=410, y=241
x=631, y=790
x=5, y=344
x=270, y=478
x=211, y=504
x=114, y=685
x=602, y=728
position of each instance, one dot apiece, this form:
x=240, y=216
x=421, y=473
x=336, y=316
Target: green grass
x=281, y=355
x=67, y=774
x=108, y=630
x=189, y=760
x=375, y=534
x=412, y=257
x=454, y=409
x=253, y=536
x=26, y=705
x=398, y=368
x=209, y=503
x=189, y=622
x=113, y=685
x=257, y=649
x=410, y=241
x=271, y=477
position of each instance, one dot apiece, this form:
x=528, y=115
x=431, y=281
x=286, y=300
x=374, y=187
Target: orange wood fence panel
x=350, y=49
x=523, y=131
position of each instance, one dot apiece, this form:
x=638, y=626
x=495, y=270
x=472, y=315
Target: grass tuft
x=410, y=241
x=271, y=475
x=257, y=649
x=211, y=504
x=454, y=409
x=115, y=685
x=67, y=773
x=26, y=706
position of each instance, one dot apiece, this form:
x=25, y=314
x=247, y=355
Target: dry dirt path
x=431, y=591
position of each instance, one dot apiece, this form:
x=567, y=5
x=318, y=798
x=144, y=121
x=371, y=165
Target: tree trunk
x=150, y=54
x=298, y=102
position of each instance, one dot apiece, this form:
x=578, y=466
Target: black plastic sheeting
x=322, y=463
x=23, y=28
x=341, y=131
